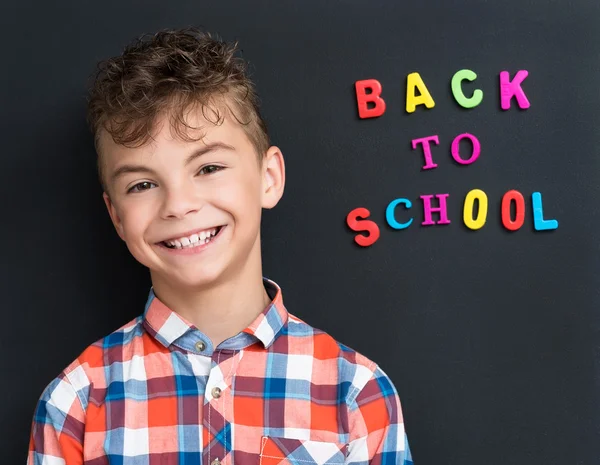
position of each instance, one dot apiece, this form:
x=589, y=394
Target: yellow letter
x=478, y=222
x=414, y=80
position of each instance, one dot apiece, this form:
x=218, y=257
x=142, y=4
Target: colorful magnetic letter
x=360, y=225
x=509, y=88
x=391, y=217
x=517, y=197
x=414, y=81
x=474, y=154
x=374, y=97
x=459, y=96
x=481, y=197
x=539, y=223
x=429, y=164
x=428, y=209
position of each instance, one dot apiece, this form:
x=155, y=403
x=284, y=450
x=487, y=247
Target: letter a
x=414, y=81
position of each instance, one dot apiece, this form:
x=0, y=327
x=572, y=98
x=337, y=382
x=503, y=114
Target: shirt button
x=200, y=346
x=215, y=462
x=216, y=393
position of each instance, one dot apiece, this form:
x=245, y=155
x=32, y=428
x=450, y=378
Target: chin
x=198, y=278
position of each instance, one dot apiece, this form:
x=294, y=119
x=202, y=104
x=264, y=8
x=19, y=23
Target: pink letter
x=429, y=164
x=509, y=89
x=428, y=209
x=476, y=149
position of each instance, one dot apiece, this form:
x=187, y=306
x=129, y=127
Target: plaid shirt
x=156, y=392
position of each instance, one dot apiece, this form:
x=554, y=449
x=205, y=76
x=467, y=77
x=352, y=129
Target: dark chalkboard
x=490, y=335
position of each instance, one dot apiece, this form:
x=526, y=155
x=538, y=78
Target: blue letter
x=539, y=223
x=390, y=217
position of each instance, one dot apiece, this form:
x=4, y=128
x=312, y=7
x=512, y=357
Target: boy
x=215, y=371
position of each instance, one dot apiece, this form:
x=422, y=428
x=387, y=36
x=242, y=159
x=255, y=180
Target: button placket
x=216, y=392
x=219, y=401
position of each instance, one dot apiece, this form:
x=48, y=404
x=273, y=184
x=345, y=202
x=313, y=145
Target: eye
x=142, y=186
x=210, y=169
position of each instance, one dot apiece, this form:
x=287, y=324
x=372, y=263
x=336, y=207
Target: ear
x=114, y=216
x=273, y=169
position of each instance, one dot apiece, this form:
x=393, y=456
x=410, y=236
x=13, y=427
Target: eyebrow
x=124, y=169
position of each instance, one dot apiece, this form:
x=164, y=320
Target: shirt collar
x=167, y=326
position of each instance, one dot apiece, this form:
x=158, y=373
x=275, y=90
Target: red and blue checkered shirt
x=156, y=392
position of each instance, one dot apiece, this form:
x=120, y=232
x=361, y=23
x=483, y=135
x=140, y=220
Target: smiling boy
x=215, y=370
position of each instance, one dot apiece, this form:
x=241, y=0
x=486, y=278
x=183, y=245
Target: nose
x=180, y=200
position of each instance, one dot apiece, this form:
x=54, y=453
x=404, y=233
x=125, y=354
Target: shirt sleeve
x=58, y=426
x=377, y=433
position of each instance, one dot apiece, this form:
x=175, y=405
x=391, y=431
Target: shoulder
x=85, y=379
x=353, y=370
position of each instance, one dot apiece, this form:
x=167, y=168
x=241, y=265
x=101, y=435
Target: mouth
x=191, y=241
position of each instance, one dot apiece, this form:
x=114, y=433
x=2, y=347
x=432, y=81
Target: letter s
x=361, y=225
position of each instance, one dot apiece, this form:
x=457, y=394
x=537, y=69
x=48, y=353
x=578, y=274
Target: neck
x=222, y=309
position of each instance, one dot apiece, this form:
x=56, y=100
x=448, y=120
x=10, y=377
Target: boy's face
x=191, y=211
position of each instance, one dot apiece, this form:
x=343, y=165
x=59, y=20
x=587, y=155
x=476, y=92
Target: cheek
x=135, y=217
x=240, y=196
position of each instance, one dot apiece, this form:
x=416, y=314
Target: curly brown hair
x=170, y=72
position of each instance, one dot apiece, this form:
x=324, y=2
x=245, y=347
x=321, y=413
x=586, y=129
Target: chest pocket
x=286, y=451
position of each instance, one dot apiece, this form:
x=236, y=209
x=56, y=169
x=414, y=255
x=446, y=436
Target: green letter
x=458, y=93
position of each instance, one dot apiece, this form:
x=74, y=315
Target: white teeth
x=195, y=239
